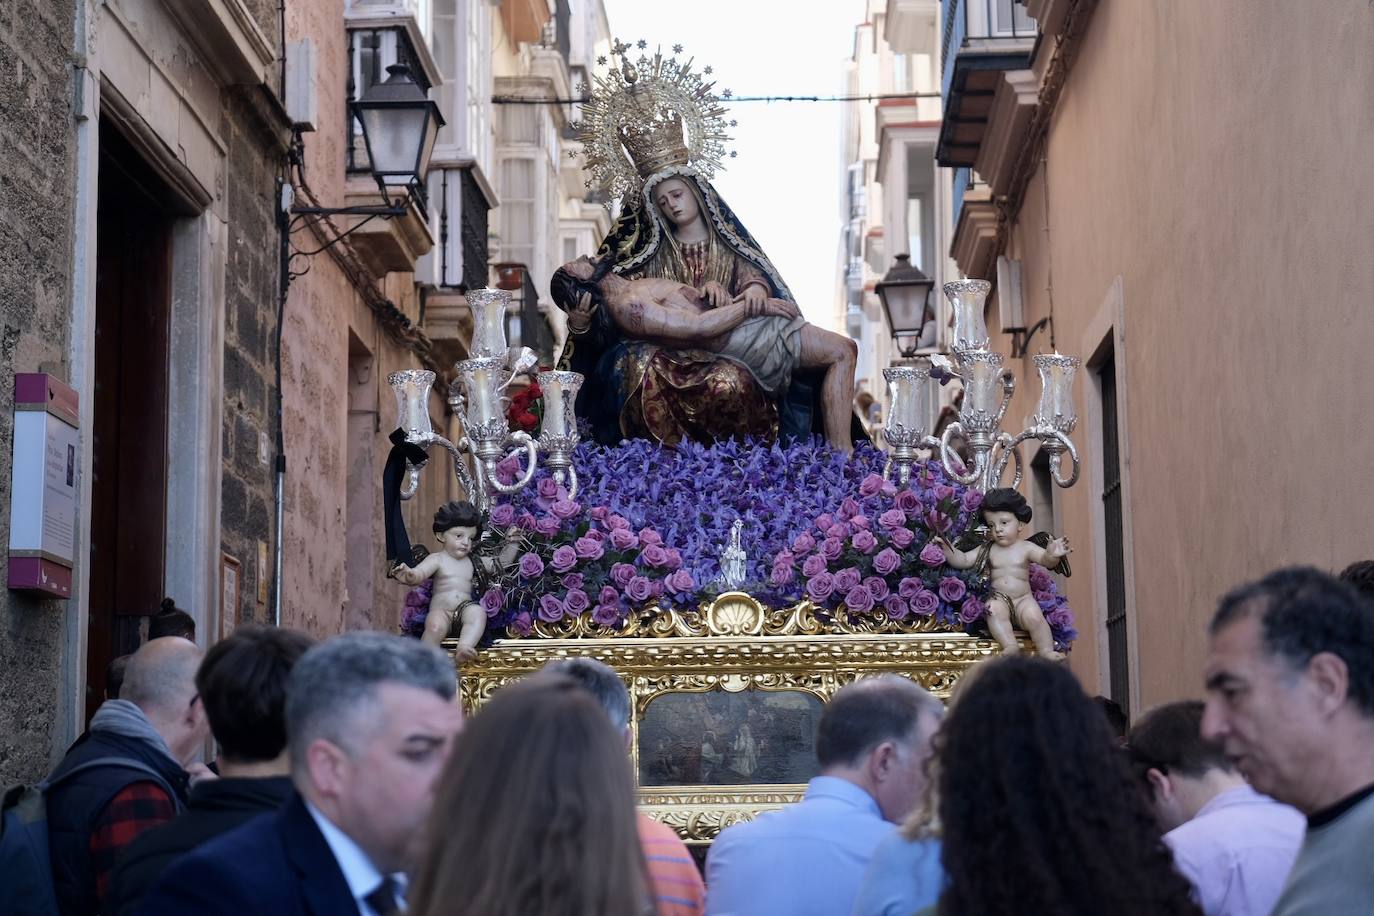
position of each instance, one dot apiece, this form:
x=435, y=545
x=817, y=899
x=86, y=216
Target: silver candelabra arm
x=1008, y=448
x=970, y=477
x=1008, y=389
x=412, y=484
x=521, y=439
x=460, y=465
x=1056, y=444
x=572, y=480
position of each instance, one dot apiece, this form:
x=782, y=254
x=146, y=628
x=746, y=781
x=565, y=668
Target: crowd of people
x=347, y=781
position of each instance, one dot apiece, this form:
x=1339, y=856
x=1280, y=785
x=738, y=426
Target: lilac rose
x=623, y=539
x=674, y=558
x=803, y=543
x=596, y=534
x=617, y=521
x=812, y=565
x=932, y=556
x=952, y=588
x=588, y=548
x=970, y=610
x=877, y=587
x=551, y=610
x=608, y=595
x=909, y=587
x=606, y=615
x=492, y=600
x=886, y=562
x=943, y=491
x=925, y=602
x=576, y=600
x=1061, y=618
x=892, y=518
x=901, y=538
x=599, y=513
x=831, y=548
x=639, y=589
x=823, y=522
x=871, y=485
x=896, y=607
x=849, y=507
x=622, y=573
x=839, y=531
x=531, y=565
x=820, y=587
x=508, y=469
x=680, y=581
x=861, y=522
x=565, y=508
x=781, y=575
x=547, y=489
x=648, y=537
x=847, y=578
x=521, y=625
x=859, y=600
x=564, y=558
x=907, y=501
x=547, y=525
x=503, y=516
x=864, y=541
x=1039, y=578
x=654, y=555
x=972, y=500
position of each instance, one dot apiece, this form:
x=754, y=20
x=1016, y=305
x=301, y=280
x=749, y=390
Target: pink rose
x=803, y=543
x=521, y=625
x=877, y=587
x=849, y=508
x=812, y=565
x=623, y=539
x=648, y=537
x=858, y=600
x=564, y=558
x=909, y=588
x=531, y=565
x=886, y=562
x=654, y=555
x=970, y=610
x=871, y=485
x=907, y=501
x=551, y=610
x=622, y=573
x=547, y=525
x=892, y=518
x=565, y=508
x=820, y=587
x=674, y=558
x=503, y=516
x=588, y=548
x=864, y=541
x=831, y=548
x=492, y=600
x=952, y=589
x=680, y=581
x=608, y=596
x=932, y=555
x=617, y=521
x=925, y=603
x=860, y=522
x=576, y=601
x=573, y=580
x=847, y=578
x=901, y=538
x=896, y=607
x=638, y=589
x=781, y=575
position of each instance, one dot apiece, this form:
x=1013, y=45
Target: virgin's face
x=677, y=202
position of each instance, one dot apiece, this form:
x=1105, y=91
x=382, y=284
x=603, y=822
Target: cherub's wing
x=1042, y=540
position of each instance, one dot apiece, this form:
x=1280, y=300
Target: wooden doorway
x=129, y=428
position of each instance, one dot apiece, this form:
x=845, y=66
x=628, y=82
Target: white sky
x=784, y=183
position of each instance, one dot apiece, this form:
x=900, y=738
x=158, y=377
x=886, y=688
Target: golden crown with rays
x=649, y=114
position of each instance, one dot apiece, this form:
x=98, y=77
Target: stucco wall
x=37, y=193
x=1216, y=157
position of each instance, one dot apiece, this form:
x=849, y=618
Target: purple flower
x=972, y=500
x=525, y=521
x=839, y=531
x=924, y=602
x=823, y=522
x=503, y=516
x=831, y=548
x=820, y=587
x=674, y=558
x=877, y=587
x=1039, y=579
x=812, y=565
x=638, y=589
x=871, y=485
x=599, y=513
x=896, y=607
x=859, y=600
x=548, y=489
x=943, y=491
x=803, y=543
x=781, y=575
x=932, y=556
x=547, y=525
x=617, y=521
x=596, y=534
x=508, y=469
x=907, y=501
x=1061, y=618
x=521, y=625
x=864, y=541
x=970, y=610
x=892, y=518
x=860, y=522
x=622, y=573
x=656, y=588
x=1043, y=596
x=608, y=595
x=901, y=538
x=573, y=580
x=886, y=562
x=938, y=522
x=564, y=558
x=551, y=610
x=565, y=508
x=952, y=588
x=909, y=587
x=680, y=581
x=623, y=539
x=785, y=558
x=849, y=508
x=648, y=537
x=531, y=565
x=576, y=601
x=606, y=615
x=847, y=578
x=654, y=555
x=492, y=600
x=588, y=548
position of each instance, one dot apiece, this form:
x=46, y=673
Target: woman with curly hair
x=1039, y=811
x=535, y=813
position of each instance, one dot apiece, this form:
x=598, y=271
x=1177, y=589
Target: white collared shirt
x=362, y=876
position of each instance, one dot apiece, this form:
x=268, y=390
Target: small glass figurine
x=733, y=562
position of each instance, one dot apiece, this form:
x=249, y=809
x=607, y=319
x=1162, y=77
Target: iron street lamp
x=905, y=294
x=400, y=124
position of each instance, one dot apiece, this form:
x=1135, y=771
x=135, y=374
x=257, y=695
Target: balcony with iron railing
x=980, y=41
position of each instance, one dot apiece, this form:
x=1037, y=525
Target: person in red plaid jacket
x=150, y=735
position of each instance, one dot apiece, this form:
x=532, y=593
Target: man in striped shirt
x=673, y=875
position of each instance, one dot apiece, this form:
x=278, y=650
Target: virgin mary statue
x=653, y=134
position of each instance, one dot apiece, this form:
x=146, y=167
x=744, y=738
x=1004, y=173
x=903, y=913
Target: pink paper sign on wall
x=43, y=486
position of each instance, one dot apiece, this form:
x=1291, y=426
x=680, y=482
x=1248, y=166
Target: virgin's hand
x=715, y=294
x=783, y=308
x=754, y=295
x=580, y=315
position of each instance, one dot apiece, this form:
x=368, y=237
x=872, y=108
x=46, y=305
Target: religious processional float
x=684, y=500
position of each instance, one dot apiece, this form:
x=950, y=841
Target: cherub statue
x=458, y=527
x=1007, y=558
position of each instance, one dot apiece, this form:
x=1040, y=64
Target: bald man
x=133, y=771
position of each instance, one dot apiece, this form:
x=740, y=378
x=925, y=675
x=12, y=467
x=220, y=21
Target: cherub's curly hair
x=1039, y=809
x=1005, y=499
x=457, y=514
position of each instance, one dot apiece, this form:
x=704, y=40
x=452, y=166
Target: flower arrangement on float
x=649, y=523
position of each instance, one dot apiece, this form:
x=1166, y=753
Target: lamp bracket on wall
x=1021, y=337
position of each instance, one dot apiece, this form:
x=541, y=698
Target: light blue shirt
x=807, y=859
x=361, y=875
x=904, y=876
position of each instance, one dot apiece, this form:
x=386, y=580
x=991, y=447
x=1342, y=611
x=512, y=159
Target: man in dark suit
x=370, y=721
x=242, y=685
